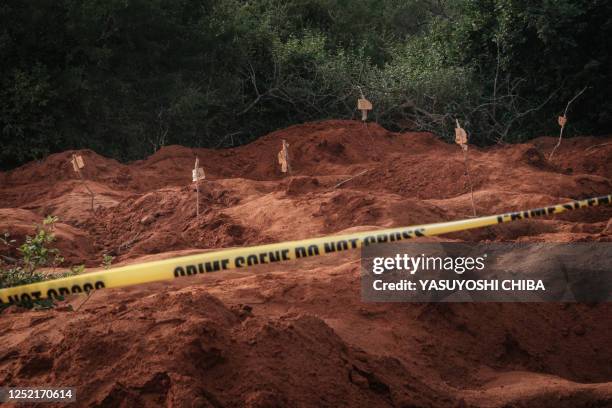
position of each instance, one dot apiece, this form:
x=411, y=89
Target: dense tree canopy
x=124, y=77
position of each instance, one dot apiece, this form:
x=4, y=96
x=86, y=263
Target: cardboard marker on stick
x=364, y=106
x=77, y=164
x=283, y=158
x=460, y=136
x=197, y=174
x=461, y=139
x=562, y=120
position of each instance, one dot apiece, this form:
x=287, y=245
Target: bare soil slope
x=297, y=334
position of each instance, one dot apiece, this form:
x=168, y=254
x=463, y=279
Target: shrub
x=107, y=261
x=36, y=252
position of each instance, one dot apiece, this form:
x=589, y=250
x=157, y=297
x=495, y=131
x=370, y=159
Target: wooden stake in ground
x=283, y=158
x=562, y=120
x=197, y=174
x=462, y=140
x=77, y=164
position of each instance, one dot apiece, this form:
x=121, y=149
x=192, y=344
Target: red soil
x=298, y=334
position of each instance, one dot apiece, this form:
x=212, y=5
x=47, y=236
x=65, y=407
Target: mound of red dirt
x=194, y=345
x=72, y=242
x=298, y=334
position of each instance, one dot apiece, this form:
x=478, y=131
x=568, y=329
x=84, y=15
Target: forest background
x=125, y=77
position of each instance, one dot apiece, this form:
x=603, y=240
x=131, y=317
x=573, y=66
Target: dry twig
x=349, y=179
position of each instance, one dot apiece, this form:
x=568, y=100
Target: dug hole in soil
x=298, y=334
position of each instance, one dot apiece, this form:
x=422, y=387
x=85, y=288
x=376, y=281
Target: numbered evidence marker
x=77, y=164
x=197, y=174
x=461, y=139
x=364, y=106
x=283, y=158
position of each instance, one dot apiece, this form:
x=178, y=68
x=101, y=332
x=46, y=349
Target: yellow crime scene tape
x=264, y=254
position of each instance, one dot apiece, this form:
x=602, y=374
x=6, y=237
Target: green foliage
x=76, y=270
x=36, y=252
x=107, y=261
x=549, y=47
x=127, y=77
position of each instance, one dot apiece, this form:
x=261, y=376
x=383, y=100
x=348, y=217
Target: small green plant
x=36, y=252
x=107, y=261
x=75, y=270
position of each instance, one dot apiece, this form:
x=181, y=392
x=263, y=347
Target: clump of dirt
x=582, y=155
x=533, y=157
x=302, y=184
x=345, y=209
x=299, y=333
x=513, y=347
